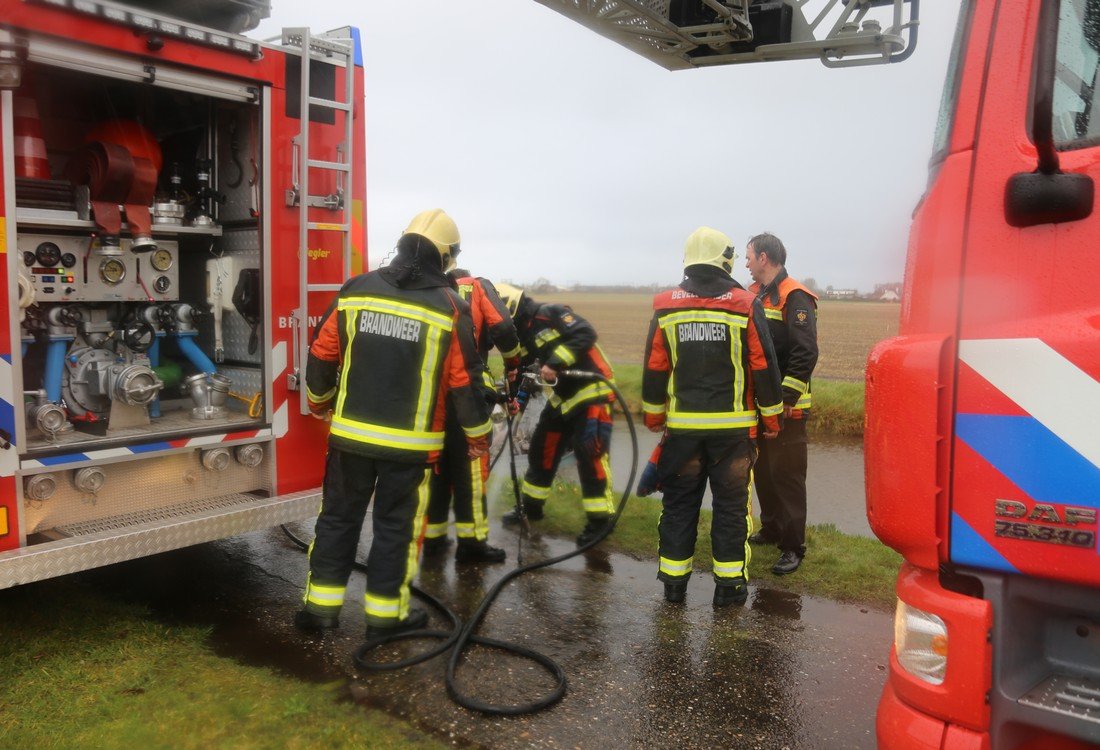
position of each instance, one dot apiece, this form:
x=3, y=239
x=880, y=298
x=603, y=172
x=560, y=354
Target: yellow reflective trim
x=482, y=429
x=480, y=527
x=435, y=530
x=412, y=557
x=648, y=408
x=804, y=402
x=712, y=420
x=564, y=355
x=796, y=384
x=589, y=392
x=545, y=336
x=428, y=378
x=675, y=567
x=728, y=569
x=703, y=316
x=404, y=309
x=771, y=411
x=378, y=606
x=322, y=398
x=535, y=491
x=349, y=330
x=392, y=437
x=515, y=351
x=773, y=313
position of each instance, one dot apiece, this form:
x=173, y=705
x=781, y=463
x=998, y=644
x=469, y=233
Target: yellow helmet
x=440, y=229
x=709, y=247
x=511, y=296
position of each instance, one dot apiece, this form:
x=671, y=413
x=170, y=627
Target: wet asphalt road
x=783, y=671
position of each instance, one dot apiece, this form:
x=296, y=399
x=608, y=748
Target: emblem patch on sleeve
x=568, y=319
x=801, y=316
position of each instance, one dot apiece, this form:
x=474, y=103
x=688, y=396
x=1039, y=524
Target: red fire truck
x=983, y=416
x=178, y=203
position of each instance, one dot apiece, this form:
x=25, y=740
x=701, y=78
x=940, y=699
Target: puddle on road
x=783, y=670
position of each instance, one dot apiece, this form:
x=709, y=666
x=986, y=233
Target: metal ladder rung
x=329, y=227
x=336, y=166
x=342, y=106
x=324, y=287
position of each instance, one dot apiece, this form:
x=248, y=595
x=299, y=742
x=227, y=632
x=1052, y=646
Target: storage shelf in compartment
x=173, y=424
x=41, y=217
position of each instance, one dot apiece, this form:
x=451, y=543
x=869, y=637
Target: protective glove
x=477, y=447
x=654, y=422
x=596, y=436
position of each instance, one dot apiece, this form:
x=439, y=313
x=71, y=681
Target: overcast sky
x=562, y=155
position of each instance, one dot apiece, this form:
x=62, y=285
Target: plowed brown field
x=846, y=330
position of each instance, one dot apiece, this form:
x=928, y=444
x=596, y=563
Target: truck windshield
x=1075, y=75
x=951, y=86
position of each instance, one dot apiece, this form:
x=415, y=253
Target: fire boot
x=675, y=591
x=730, y=593
x=416, y=620
x=436, y=544
x=306, y=620
x=592, y=529
x=513, y=518
x=475, y=551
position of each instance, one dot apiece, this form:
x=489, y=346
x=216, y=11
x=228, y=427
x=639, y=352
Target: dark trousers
x=400, y=498
x=462, y=479
x=553, y=433
x=781, y=487
x=688, y=461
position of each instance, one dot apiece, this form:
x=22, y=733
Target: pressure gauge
x=48, y=254
x=161, y=259
x=68, y=260
x=162, y=284
x=112, y=270
x=29, y=259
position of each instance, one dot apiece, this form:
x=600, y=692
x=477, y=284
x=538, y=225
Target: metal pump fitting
x=89, y=480
x=216, y=459
x=39, y=487
x=250, y=456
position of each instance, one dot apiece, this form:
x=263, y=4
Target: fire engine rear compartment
x=143, y=368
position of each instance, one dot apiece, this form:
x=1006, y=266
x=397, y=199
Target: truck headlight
x=920, y=642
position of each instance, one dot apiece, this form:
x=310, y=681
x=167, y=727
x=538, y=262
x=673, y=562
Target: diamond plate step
x=1078, y=697
x=111, y=540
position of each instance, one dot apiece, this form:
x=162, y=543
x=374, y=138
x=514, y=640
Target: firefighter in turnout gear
x=578, y=410
x=391, y=347
x=781, y=478
x=456, y=474
x=710, y=378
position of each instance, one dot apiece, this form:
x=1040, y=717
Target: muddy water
x=781, y=671
x=834, y=481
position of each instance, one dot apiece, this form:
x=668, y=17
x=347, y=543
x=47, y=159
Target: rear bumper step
x=1078, y=697
x=112, y=540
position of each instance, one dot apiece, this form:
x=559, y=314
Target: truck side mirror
x=1033, y=198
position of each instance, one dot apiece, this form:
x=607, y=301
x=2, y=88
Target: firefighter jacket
x=792, y=319
x=556, y=336
x=383, y=358
x=493, y=324
x=709, y=362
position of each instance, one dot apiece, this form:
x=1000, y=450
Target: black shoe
x=760, y=538
x=788, y=563
x=513, y=518
x=416, y=620
x=726, y=594
x=436, y=545
x=471, y=551
x=675, y=592
x=592, y=529
x=306, y=620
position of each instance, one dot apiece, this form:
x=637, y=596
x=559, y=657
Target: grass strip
x=838, y=566
x=80, y=670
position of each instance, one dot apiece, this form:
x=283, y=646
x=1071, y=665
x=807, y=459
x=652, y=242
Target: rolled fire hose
x=114, y=177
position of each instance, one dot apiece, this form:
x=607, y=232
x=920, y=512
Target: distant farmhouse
x=887, y=292
x=831, y=293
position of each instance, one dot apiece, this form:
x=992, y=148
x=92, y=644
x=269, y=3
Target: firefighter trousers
x=462, y=479
x=688, y=461
x=553, y=434
x=400, y=500
x=781, y=487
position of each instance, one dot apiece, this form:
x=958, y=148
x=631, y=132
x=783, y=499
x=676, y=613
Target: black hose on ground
x=462, y=636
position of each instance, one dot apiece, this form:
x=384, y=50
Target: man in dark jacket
x=781, y=479
x=578, y=410
x=710, y=377
x=393, y=345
